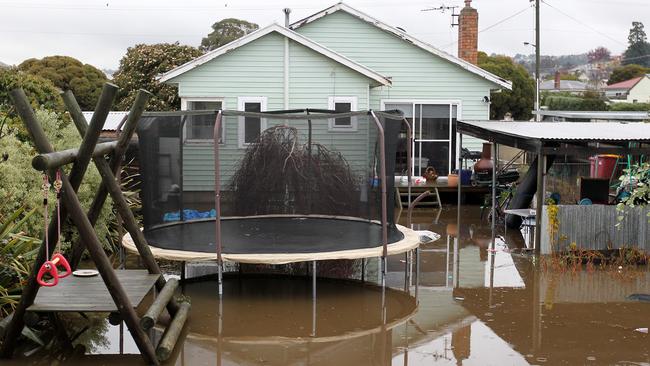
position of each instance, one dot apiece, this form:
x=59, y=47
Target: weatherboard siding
x=257, y=70
x=416, y=74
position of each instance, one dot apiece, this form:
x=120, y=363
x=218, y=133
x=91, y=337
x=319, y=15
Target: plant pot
x=485, y=165
x=452, y=180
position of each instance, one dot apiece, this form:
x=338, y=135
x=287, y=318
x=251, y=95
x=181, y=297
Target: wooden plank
x=89, y=294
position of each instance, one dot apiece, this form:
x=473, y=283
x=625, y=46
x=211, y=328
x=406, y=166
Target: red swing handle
x=59, y=261
x=48, y=268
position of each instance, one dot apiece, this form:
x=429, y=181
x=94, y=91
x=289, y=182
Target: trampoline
x=276, y=239
x=271, y=187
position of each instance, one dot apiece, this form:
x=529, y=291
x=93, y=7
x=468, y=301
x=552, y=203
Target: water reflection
x=479, y=303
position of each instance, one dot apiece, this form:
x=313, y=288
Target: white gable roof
x=403, y=35
x=380, y=79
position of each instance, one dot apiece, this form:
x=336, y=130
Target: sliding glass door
x=434, y=135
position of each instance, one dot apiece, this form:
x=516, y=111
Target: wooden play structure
x=117, y=291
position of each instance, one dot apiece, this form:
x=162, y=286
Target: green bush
x=631, y=107
x=564, y=103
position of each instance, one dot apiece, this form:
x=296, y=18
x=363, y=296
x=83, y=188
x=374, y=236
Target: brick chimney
x=468, y=33
x=558, y=80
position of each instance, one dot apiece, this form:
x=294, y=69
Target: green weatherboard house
x=338, y=59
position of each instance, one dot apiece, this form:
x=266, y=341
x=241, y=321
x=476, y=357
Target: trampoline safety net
x=293, y=163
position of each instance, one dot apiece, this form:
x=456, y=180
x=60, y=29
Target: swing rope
x=46, y=189
x=57, y=189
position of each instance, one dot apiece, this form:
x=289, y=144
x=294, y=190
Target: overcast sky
x=98, y=32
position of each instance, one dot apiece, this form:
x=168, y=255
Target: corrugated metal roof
x=564, y=85
x=558, y=131
x=593, y=115
x=627, y=84
x=112, y=121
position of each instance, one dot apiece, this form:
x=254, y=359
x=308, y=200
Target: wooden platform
x=89, y=294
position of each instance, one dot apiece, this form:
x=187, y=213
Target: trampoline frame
x=384, y=212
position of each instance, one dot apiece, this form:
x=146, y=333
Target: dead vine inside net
x=279, y=175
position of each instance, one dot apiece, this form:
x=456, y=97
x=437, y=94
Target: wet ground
x=475, y=305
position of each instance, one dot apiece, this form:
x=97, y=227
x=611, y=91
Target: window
x=343, y=105
x=434, y=134
x=201, y=128
x=250, y=128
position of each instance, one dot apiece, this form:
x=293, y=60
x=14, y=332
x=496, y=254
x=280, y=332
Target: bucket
x=465, y=177
x=606, y=166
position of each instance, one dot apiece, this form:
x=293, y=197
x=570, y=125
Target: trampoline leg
x=220, y=267
x=383, y=271
x=417, y=272
x=313, y=299
x=183, y=271
x=407, y=274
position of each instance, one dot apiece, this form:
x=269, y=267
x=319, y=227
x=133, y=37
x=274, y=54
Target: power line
x=495, y=24
x=582, y=23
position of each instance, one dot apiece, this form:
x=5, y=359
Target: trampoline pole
x=363, y=269
x=406, y=271
x=417, y=272
x=313, y=299
x=217, y=198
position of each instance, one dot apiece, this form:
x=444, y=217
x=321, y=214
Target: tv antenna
x=443, y=8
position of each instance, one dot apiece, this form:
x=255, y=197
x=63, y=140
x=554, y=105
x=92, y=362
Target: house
x=342, y=59
x=636, y=90
x=558, y=85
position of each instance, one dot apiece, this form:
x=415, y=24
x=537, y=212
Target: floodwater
x=473, y=306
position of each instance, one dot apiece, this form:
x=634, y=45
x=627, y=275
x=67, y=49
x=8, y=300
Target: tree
x=599, y=54
x=226, y=31
x=140, y=67
x=40, y=92
x=638, y=51
x=627, y=72
x=520, y=100
x=68, y=73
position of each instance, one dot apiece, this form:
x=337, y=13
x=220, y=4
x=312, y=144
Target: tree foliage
x=226, y=31
x=638, y=51
x=574, y=103
x=599, y=54
x=20, y=184
x=630, y=107
x=627, y=72
x=68, y=73
x=140, y=67
x=520, y=100
x=40, y=92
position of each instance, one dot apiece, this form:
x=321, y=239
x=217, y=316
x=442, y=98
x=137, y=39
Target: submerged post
x=217, y=199
x=541, y=170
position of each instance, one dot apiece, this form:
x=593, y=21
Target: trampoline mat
x=272, y=235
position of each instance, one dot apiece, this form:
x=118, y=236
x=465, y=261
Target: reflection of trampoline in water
x=295, y=192
x=276, y=318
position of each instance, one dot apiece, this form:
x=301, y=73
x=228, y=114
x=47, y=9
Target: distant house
x=341, y=59
x=635, y=90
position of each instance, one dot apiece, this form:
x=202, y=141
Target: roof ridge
x=286, y=32
x=399, y=33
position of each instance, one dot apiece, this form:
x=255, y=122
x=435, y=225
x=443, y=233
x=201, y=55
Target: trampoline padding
x=276, y=239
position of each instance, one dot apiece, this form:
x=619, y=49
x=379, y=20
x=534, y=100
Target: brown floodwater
x=473, y=306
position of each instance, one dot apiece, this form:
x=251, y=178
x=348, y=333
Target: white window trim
x=331, y=101
x=241, y=101
x=185, y=102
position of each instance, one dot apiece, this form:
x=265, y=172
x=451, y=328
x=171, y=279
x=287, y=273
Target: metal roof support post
x=217, y=199
x=541, y=170
x=493, y=222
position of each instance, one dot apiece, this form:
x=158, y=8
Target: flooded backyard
x=473, y=306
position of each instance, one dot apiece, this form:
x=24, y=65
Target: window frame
x=241, y=128
x=331, y=105
x=185, y=103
